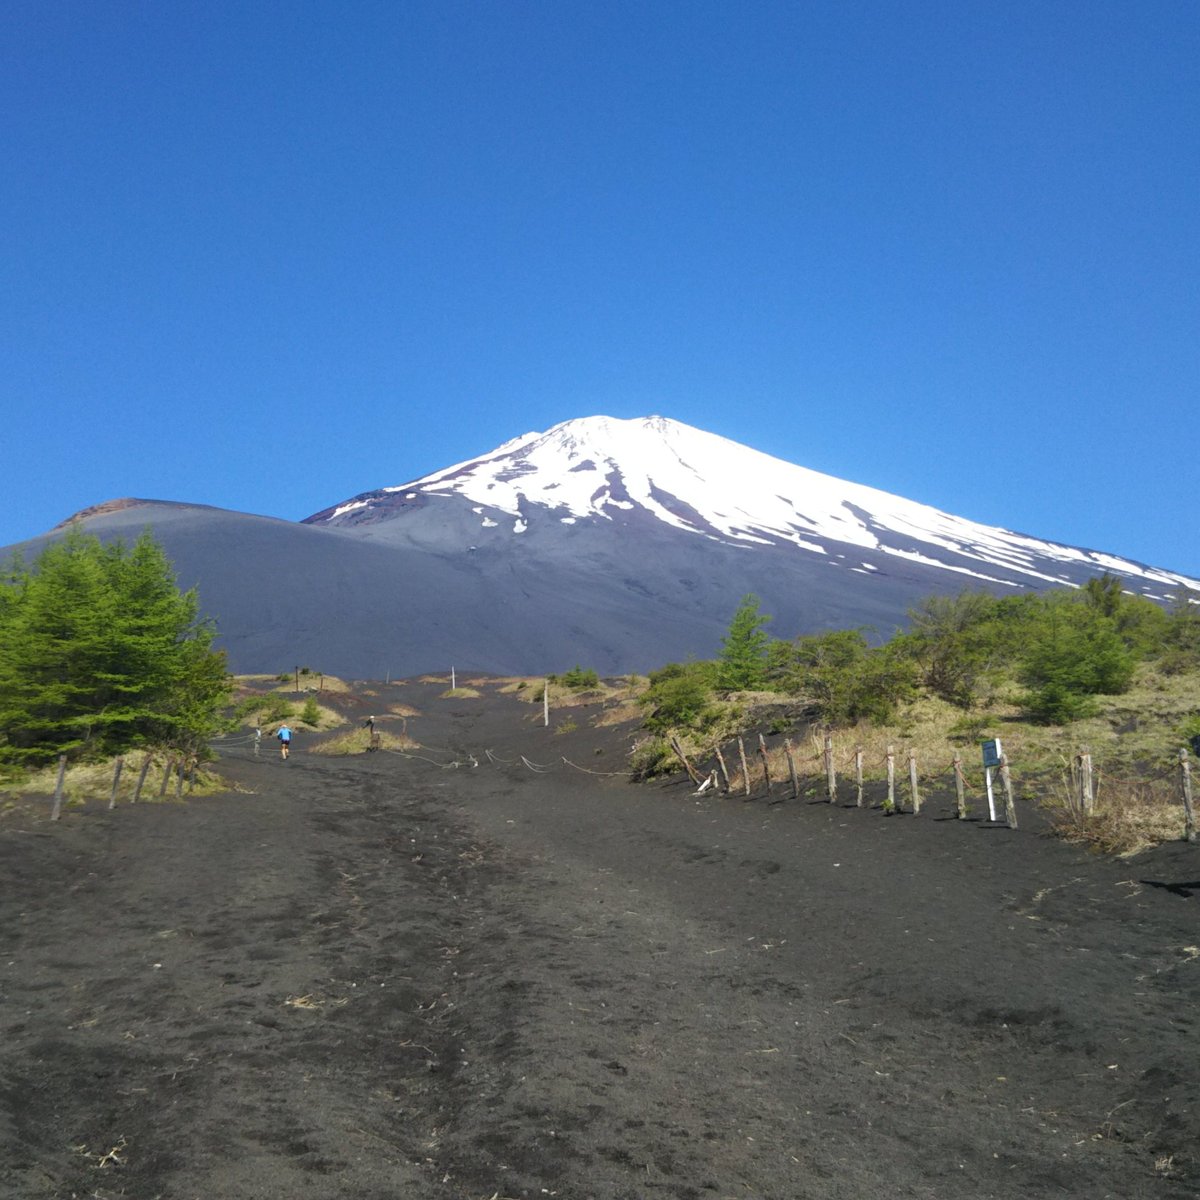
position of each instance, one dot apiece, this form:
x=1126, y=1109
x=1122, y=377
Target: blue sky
x=268, y=255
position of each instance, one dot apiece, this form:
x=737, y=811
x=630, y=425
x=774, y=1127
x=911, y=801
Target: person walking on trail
x=284, y=735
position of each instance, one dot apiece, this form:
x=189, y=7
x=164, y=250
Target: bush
x=651, y=756
x=267, y=709
x=579, y=680
x=1076, y=654
x=845, y=679
x=679, y=696
x=310, y=714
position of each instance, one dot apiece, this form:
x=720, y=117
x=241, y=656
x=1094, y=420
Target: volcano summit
x=617, y=544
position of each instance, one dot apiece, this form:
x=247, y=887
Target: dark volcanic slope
x=435, y=593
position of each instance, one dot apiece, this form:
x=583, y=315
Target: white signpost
x=991, y=759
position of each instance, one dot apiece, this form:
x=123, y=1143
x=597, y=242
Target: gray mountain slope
x=434, y=591
x=285, y=594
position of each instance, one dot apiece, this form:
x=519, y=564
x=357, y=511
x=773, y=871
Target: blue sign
x=991, y=753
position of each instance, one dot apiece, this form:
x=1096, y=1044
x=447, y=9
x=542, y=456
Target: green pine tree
x=743, y=665
x=100, y=651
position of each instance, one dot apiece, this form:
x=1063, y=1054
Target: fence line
x=1086, y=779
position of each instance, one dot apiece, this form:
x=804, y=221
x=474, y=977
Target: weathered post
x=745, y=769
x=56, y=810
x=724, y=769
x=137, y=791
x=693, y=774
x=1087, y=795
x=117, y=767
x=546, y=704
x=162, y=790
x=858, y=774
x=890, y=803
x=180, y=773
x=791, y=761
x=762, y=753
x=960, y=789
x=830, y=770
x=297, y=680
x=912, y=782
x=1010, y=809
x=1185, y=783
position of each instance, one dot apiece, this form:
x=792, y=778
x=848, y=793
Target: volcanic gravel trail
x=378, y=978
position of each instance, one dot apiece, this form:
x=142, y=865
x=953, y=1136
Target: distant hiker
x=285, y=740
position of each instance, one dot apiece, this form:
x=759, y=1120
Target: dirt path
x=375, y=978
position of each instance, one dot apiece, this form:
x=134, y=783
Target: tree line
x=101, y=652
x=1062, y=648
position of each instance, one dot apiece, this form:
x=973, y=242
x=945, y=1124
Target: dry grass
x=460, y=693
x=358, y=741
x=403, y=710
x=1128, y=818
x=1133, y=739
x=618, y=713
x=86, y=782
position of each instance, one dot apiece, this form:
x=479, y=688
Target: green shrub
x=579, y=680
x=266, y=709
x=679, y=696
x=651, y=756
x=310, y=714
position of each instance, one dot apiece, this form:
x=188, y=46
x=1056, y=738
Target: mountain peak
x=624, y=471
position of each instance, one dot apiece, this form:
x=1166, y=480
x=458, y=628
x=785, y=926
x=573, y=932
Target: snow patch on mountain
x=603, y=468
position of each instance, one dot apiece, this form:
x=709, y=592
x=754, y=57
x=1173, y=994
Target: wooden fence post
x=912, y=782
x=830, y=770
x=724, y=769
x=1185, y=783
x=1087, y=795
x=180, y=772
x=56, y=810
x=745, y=769
x=162, y=790
x=890, y=803
x=117, y=768
x=858, y=773
x=137, y=791
x=1010, y=809
x=791, y=761
x=546, y=703
x=762, y=751
x=693, y=775
x=960, y=790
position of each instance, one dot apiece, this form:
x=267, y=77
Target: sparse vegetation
x=358, y=741
x=1048, y=673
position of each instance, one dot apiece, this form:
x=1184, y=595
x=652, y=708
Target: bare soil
x=391, y=977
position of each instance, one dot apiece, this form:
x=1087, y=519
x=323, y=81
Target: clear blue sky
x=268, y=255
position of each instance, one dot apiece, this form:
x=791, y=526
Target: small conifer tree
x=743, y=665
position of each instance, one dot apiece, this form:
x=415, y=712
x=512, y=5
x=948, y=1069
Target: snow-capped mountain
x=620, y=545
x=599, y=469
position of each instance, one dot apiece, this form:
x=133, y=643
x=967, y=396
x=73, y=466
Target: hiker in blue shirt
x=284, y=735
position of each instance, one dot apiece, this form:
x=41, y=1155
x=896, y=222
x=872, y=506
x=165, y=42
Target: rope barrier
x=588, y=771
